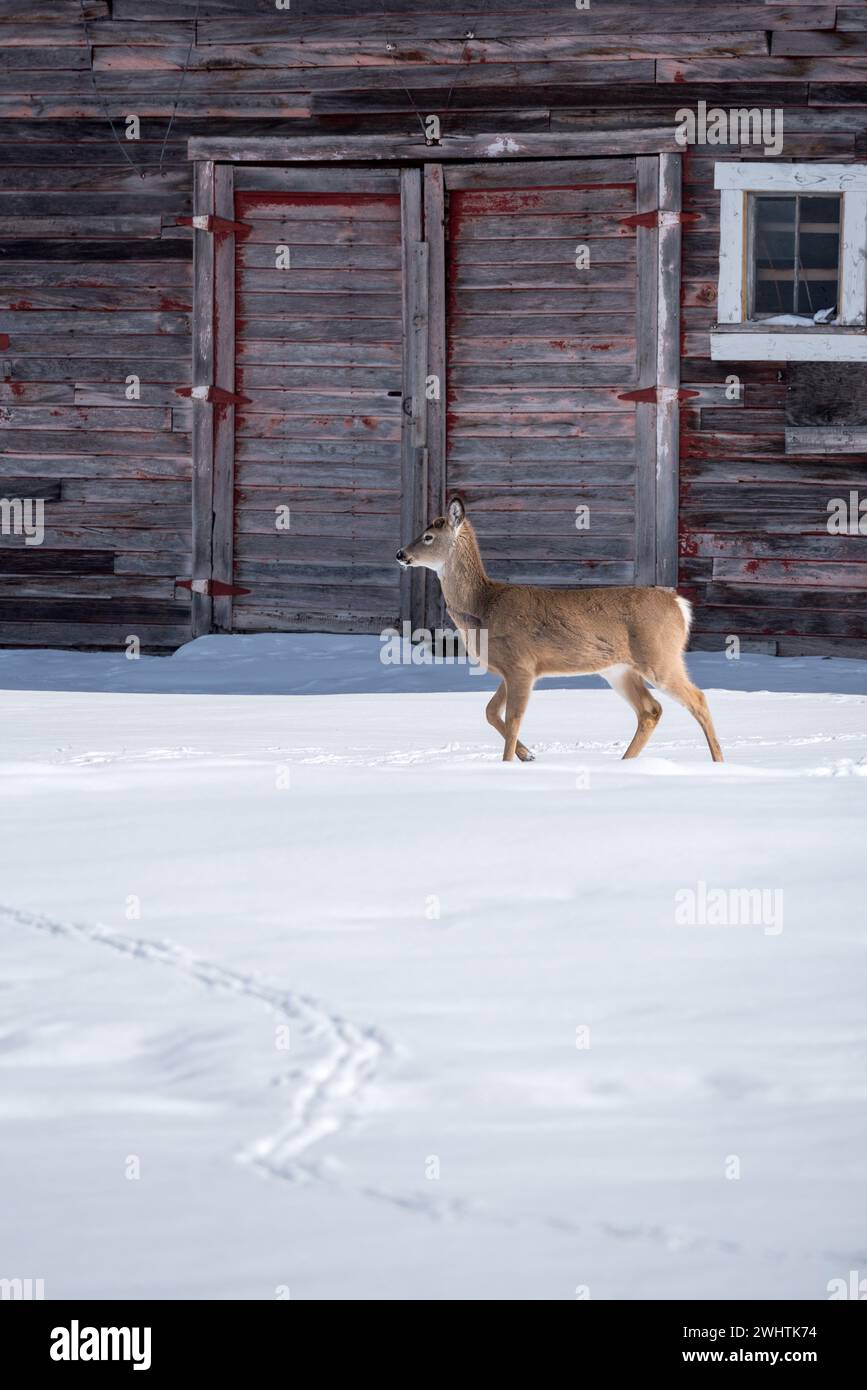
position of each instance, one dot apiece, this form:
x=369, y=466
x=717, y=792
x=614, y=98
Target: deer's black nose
x=400, y=555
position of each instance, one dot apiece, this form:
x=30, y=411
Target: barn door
x=557, y=435
x=369, y=339
x=327, y=436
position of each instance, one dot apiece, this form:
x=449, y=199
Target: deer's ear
x=456, y=513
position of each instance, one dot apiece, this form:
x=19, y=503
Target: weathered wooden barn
x=278, y=277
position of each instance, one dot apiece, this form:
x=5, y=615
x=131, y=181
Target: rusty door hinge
x=210, y=222
x=657, y=395
x=658, y=218
x=216, y=395
x=211, y=588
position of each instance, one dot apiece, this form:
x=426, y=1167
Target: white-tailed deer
x=628, y=636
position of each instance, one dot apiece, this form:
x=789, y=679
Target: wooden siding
x=95, y=276
x=95, y=286
x=539, y=354
x=319, y=360
x=756, y=556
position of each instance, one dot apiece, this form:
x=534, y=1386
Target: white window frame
x=738, y=338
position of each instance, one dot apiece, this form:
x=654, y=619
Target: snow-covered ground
x=514, y=1070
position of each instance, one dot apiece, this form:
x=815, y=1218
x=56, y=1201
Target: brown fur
x=534, y=631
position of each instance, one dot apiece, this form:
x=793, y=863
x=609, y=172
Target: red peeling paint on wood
x=335, y=204
x=505, y=202
x=694, y=448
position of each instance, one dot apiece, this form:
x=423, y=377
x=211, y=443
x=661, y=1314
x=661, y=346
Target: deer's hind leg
x=648, y=711
x=677, y=683
x=494, y=716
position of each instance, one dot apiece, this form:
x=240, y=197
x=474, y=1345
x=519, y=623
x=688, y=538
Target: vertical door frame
x=668, y=368
x=222, y=554
x=413, y=432
x=213, y=446
x=434, y=503
x=646, y=365
x=657, y=423
x=203, y=422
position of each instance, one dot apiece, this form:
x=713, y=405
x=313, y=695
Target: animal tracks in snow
x=326, y=1092
x=324, y=1096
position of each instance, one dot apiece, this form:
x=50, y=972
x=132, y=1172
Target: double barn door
x=382, y=337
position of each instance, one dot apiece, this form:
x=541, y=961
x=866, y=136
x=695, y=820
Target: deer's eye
x=428, y=539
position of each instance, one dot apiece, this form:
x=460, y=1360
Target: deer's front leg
x=518, y=688
x=494, y=716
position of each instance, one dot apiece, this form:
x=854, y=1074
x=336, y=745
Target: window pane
x=818, y=253
x=774, y=242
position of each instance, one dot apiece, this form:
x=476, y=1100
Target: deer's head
x=431, y=550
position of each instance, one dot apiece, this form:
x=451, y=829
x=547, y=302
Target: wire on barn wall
x=464, y=42
x=99, y=97
x=104, y=107
x=180, y=86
